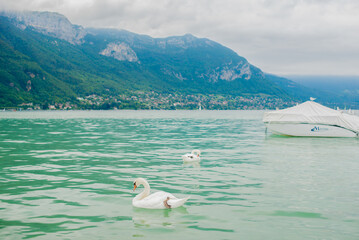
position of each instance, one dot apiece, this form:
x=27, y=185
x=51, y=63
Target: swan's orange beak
x=134, y=186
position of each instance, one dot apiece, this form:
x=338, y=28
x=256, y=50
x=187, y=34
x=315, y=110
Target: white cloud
x=281, y=37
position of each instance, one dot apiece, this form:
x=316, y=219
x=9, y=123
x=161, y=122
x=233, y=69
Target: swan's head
x=196, y=152
x=138, y=182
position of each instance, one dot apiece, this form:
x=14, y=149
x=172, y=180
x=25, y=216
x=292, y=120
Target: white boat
x=311, y=119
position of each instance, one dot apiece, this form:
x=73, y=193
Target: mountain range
x=46, y=60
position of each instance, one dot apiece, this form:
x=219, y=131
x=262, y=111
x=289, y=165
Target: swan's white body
x=194, y=156
x=157, y=200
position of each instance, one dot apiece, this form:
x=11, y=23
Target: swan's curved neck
x=145, y=192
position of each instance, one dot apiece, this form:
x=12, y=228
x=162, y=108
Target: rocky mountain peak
x=120, y=51
x=49, y=23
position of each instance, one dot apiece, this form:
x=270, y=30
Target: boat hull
x=309, y=130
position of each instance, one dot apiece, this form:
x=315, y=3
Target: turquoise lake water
x=69, y=175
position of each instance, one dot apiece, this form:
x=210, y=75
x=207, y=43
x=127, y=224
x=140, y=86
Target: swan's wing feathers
x=177, y=202
x=189, y=157
x=159, y=196
x=157, y=201
x=154, y=201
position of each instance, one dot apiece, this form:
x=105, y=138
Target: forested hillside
x=47, y=61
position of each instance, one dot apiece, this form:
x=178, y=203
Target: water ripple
x=69, y=175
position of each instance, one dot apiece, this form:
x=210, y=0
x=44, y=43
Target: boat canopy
x=314, y=113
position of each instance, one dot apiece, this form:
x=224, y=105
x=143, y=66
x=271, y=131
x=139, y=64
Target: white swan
x=193, y=156
x=157, y=200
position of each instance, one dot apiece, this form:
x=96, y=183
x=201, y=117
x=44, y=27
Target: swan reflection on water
x=192, y=164
x=143, y=218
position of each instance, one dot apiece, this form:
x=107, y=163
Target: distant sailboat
x=200, y=107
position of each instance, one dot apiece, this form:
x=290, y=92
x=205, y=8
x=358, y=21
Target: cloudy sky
x=284, y=37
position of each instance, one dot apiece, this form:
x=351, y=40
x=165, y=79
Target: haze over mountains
x=46, y=60
x=345, y=88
